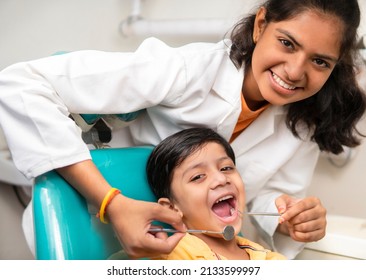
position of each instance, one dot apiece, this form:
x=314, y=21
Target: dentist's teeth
x=282, y=83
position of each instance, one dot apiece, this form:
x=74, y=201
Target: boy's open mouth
x=224, y=206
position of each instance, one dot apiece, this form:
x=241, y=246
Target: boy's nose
x=219, y=179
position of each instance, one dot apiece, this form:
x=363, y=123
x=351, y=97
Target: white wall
x=37, y=28
x=343, y=189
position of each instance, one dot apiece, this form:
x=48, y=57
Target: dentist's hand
x=131, y=220
x=302, y=219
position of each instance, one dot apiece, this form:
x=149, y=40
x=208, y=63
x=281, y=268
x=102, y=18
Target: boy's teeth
x=232, y=211
x=224, y=198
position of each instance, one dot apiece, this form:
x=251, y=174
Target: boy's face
x=208, y=190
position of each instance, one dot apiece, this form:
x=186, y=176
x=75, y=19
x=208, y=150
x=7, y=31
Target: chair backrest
x=66, y=227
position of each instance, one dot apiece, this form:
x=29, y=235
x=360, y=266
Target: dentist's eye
x=287, y=43
x=321, y=63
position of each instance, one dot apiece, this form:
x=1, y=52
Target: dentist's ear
x=164, y=201
x=259, y=24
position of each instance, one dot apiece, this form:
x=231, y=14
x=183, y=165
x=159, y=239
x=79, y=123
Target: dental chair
x=66, y=227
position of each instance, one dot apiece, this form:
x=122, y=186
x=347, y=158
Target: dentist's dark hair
x=333, y=113
x=173, y=150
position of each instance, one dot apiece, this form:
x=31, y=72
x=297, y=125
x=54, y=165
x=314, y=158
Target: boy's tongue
x=222, y=209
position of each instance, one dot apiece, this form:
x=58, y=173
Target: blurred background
x=38, y=28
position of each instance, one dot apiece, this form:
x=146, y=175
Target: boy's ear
x=259, y=24
x=164, y=201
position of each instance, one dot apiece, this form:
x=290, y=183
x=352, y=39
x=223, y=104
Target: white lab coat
x=182, y=87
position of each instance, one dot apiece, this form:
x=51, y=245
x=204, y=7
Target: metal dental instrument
x=263, y=214
x=260, y=213
x=228, y=232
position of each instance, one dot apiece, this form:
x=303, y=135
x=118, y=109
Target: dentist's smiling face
x=208, y=190
x=292, y=59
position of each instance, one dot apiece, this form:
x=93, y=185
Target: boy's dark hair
x=332, y=114
x=173, y=150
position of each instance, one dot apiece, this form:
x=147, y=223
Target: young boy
x=193, y=172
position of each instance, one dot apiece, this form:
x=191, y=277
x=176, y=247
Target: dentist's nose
x=295, y=68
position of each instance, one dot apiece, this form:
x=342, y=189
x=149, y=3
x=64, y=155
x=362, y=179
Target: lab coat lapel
x=262, y=128
x=228, y=85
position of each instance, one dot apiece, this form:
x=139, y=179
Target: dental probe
x=260, y=213
x=263, y=214
x=228, y=232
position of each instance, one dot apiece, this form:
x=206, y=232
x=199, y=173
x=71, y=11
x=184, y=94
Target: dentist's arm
x=130, y=218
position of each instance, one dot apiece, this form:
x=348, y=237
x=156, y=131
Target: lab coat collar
x=262, y=128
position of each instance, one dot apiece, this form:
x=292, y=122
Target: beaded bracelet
x=106, y=200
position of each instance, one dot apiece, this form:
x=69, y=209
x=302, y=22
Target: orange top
x=246, y=117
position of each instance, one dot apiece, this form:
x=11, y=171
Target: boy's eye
x=197, y=177
x=227, y=168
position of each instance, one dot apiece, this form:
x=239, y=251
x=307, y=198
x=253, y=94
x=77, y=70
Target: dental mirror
x=228, y=233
